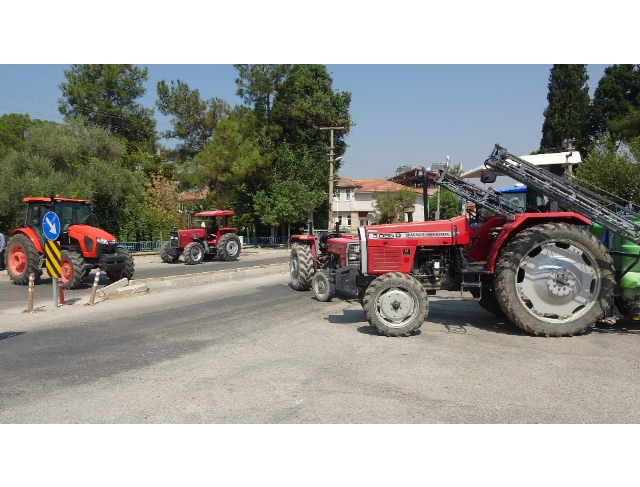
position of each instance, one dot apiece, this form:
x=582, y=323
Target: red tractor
x=546, y=271
x=213, y=238
x=83, y=246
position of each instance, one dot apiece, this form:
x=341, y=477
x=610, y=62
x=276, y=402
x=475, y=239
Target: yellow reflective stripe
x=52, y=258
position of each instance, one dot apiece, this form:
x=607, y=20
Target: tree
x=611, y=169
x=73, y=144
x=194, y=119
x=230, y=158
x=106, y=94
x=23, y=174
x=566, y=116
x=389, y=207
x=614, y=97
x=628, y=127
x=286, y=202
x=258, y=83
x=162, y=198
x=13, y=127
x=449, y=205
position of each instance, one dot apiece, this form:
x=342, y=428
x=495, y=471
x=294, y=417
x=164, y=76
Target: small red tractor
x=213, y=238
x=550, y=272
x=83, y=246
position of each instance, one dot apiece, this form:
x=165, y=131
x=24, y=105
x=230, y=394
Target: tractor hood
x=76, y=231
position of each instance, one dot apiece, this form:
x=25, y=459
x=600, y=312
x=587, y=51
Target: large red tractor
x=214, y=238
x=83, y=246
x=546, y=271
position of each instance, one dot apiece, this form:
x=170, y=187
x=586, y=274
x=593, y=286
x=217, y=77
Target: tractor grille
x=385, y=259
x=106, y=249
x=174, y=240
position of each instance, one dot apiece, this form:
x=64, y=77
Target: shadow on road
x=10, y=334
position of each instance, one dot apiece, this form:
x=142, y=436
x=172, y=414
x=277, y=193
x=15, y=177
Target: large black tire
x=324, y=288
x=229, y=247
x=301, y=266
x=395, y=304
x=193, y=253
x=554, y=279
x=129, y=267
x=169, y=254
x=22, y=259
x=488, y=300
x=72, y=269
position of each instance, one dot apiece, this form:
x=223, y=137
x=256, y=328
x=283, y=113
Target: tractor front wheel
x=554, y=279
x=129, y=267
x=168, y=254
x=323, y=287
x=193, y=253
x=395, y=304
x=22, y=259
x=72, y=269
x=229, y=247
x=301, y=266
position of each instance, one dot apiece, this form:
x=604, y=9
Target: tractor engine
x=434, y=267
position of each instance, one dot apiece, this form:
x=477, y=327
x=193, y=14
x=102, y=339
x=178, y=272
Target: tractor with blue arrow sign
x=83, y=246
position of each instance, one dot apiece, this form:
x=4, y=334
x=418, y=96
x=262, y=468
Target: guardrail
x=156, y=245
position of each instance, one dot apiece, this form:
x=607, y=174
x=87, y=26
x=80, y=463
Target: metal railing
x=156, y=245
x=265, y=240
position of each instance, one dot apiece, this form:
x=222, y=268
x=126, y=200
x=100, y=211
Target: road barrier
x=156, y=245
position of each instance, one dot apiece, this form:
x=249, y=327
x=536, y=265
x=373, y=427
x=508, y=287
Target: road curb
x=191, y=280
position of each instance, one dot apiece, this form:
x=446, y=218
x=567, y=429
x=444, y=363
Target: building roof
x=193, y=195
x=382, y=185
x=561, y=158
x=346, y=183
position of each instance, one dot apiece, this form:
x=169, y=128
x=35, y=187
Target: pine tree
x=566, y=116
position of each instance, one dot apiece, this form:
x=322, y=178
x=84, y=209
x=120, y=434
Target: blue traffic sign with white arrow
x=51, y=226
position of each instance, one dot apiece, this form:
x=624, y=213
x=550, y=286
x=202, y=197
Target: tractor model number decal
x=413, y=234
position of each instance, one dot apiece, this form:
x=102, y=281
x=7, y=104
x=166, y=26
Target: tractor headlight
x=104, y=241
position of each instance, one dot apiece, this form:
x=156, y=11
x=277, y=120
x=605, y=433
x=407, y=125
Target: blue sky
x=409, y=114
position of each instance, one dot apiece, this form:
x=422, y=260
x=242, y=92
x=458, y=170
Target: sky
x=406, y=114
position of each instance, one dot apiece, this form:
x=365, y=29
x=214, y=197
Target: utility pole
x=331, y=161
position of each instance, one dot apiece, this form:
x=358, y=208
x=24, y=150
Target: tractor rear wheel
x=229, y=247
x=301, y=266
x=323, y=287
x=193, y=253
x=72, y=269
x=395, y=304
x=22, y=259
x=554, y=279
x=169, y=254
x=488, y=299
x=129, y=267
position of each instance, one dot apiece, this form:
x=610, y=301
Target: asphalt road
x=146, y=266
x=256, y=351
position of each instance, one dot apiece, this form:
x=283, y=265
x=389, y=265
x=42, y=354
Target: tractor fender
x=311, y=241
x=32, y=236
x=523, y=221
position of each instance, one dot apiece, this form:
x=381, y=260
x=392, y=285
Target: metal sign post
x=51, y=230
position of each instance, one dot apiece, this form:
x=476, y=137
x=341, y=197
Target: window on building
x=347, y=195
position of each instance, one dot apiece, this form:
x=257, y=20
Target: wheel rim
x=294, y=267
x=397, y=307
x=321, y=286
x=66, y=270
x=17, y=260
x=558, y=281
x=232, y=248
x=196, y=253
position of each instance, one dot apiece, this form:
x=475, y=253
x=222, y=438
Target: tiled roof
x=346, y=183
x=193, y=196
x=381, y=185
